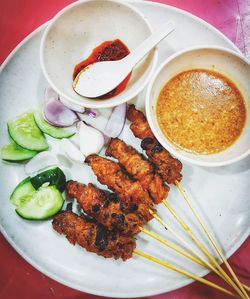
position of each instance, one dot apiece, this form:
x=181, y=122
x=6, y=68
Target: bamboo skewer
x=183, y=272
x=191, y=257
x=187, y=246
x=208, y=265
x=196, y=256
x=205, y=251
x=172, y=246
x=211, y=239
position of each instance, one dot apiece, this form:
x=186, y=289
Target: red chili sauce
x=106, y=51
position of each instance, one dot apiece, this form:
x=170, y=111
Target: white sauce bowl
x=80, y=27
x=228, y=63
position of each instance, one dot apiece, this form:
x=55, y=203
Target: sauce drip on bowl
x=106, y=51
x=201, y=111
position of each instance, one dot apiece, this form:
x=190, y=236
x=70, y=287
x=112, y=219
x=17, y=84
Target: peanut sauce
x=201, y=111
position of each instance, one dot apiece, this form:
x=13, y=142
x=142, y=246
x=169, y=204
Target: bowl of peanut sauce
x=198, y=106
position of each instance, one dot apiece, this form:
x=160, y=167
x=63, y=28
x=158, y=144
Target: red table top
x=18, y=279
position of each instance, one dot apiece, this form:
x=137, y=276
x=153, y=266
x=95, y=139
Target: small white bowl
x=80, y=27
x=227, y=62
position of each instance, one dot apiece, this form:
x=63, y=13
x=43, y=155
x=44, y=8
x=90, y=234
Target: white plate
x=221, y=194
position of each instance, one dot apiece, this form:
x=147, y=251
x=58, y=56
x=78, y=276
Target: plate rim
x=90, y=290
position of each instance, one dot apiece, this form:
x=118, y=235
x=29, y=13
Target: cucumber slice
x=23, y=192
x=44, y=203
x=24, y=131
x=14, y=153
x=50, y=130
x=54, y=176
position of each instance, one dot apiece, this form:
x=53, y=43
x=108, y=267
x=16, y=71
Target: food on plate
x=58, y=114
x=23, y=190
x=14, y=153
x=133, y=197
x=109, y=121
x=167, y=166
x=54, y=176
x=139, y=167
x=116, y=121
x=91, y=140
x=71, y=151
x=94, y=237
x=109, y=220
x=51, y=130
x=104, y=207
x=25, y=132
x=106, y=51
x=42, y=204
x=41, y=161
x=201, y=111
x=39, y=197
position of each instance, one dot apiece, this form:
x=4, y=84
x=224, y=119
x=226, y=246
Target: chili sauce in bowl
x=106, y=51
x=201, y=111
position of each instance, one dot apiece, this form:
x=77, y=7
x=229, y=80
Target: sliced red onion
x=72, y=106
x=116, y=121
x=92, y=112
x=57, y=114
x=91, y=139
x=71, y=151
x=106, y=139
x=50, y=94
x=98, y=122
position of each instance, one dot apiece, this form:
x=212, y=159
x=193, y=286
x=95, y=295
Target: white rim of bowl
x=97, y=104
x=150, y=117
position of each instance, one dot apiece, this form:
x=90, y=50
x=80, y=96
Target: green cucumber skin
x=38, y=143
x=20, y=184
x=50, y=130
x=31, y=198
x=54, y=176
x=21, y=191
x=36, y=219
x=14, y=153
x=27, y=214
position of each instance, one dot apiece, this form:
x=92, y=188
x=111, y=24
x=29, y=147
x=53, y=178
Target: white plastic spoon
x=99, y=78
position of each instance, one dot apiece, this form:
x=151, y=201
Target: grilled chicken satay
x=93, y=237
x=168, y=167
x=104, y=207
x=133, y=197
x=140, y=168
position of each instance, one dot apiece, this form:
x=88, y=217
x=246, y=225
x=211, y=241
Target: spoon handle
x=149, y=43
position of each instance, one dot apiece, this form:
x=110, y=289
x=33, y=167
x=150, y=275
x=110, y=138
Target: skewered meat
x=104, y=207
x=133, y=197
x=93, y=237
x=139, y=124
x=139, y=167
x=168, y=167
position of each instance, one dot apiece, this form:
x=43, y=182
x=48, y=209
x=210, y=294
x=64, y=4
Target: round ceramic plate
x=221, y=194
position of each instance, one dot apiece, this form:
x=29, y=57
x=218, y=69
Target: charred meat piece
x=133, y=197
x=104, y=208
x=93, y=237
x=139, y=124
x=168, y=167
x=140, y=168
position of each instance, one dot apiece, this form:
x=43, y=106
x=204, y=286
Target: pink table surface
x=18, y=18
